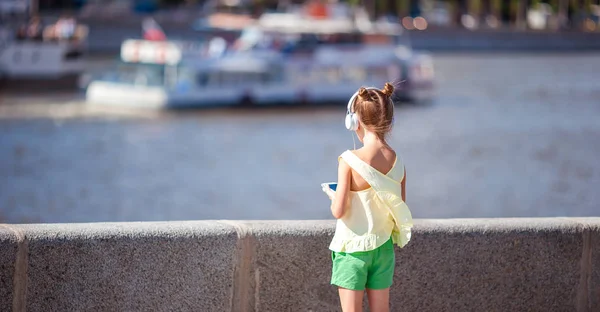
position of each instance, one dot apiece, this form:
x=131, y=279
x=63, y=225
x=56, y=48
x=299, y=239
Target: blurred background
x=148, y=110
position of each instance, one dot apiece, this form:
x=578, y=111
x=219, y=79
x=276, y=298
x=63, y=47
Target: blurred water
x=510, y=136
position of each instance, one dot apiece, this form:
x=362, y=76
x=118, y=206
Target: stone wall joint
x=585, y=275
x=244, y=284
x=20, y=273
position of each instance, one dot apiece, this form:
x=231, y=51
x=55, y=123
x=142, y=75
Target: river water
x=510, y=135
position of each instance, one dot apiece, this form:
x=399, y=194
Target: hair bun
x=388, y=89
x=363, y=93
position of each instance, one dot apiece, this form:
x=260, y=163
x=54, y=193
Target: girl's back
x=381, y=158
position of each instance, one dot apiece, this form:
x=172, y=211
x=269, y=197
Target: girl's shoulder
x=356, y=152
x=353, y=151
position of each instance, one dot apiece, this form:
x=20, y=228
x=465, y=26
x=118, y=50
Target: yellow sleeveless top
x=375, y=214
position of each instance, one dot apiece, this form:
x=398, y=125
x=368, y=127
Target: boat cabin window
x=329, y=74
x=309, y=42
x=73, y=55
x=136, y=73
x=378, y=73
x=317, y=75
x=354, y=74
x=229, y=78
x=299, y=75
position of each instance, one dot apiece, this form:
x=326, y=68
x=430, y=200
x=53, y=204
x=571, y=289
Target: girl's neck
x=370, y=140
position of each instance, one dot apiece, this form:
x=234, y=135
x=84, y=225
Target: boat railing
x=295, y=23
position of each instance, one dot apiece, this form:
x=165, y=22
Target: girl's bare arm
x=340, y=201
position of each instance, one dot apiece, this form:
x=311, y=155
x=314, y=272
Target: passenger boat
x=47, y=63
x=355, y=39
x=271, y=64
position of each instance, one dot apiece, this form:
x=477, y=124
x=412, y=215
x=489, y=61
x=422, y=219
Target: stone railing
x=450, y=265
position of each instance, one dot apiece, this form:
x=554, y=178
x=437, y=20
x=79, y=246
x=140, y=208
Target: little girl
x=369, y=205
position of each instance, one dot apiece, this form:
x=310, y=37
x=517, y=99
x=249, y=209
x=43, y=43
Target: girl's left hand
x=329, y=192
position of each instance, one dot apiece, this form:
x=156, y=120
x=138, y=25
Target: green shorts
x=367, y=269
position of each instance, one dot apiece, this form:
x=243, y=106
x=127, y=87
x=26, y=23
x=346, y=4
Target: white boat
x=165, y=75
x=40, y=59
x=413, y=70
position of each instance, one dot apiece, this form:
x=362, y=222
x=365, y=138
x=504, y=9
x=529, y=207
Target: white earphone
x=351, y=117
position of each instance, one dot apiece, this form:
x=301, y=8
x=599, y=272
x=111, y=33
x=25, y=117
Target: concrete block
x=164, y=266
x=8, y=252
x=489, y=265
x=292, y=266
x=451, y=265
